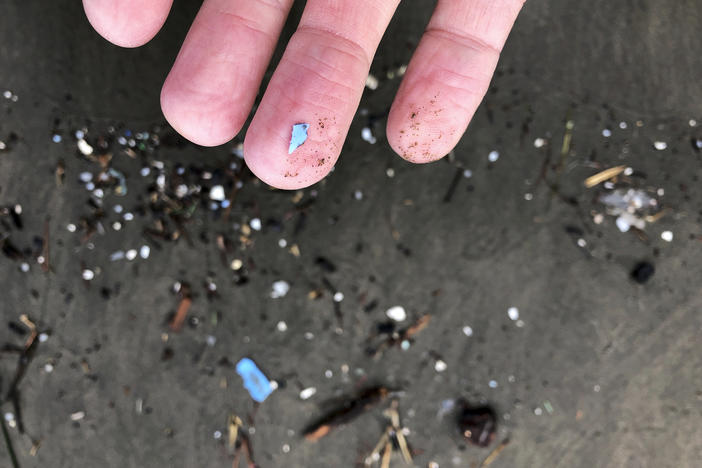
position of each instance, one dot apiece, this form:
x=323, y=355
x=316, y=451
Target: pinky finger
x=448, y=76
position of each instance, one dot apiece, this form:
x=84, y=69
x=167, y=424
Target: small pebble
x=131, y=254
x=467, y=173
x=606, y=133
x=493, y=156
x=281, y=326
x=338, y=296
x=660, y=145
x=440, y=366
x=667, y=236
x=539, y=142
x=255, y=224
x=468, y=331
x=88, y=274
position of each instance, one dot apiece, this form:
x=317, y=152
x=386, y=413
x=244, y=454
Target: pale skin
x=214, y=81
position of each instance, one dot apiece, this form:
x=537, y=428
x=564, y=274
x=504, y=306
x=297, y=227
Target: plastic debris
x=217, y=193
x=396, y=313
x=513, y=313
x=371, y=82
x=367, y=135
x=84, y=147
x=307, y=393
x=299, y=136
x=257, y=384
x=280, y=289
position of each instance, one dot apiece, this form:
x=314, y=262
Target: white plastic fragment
x=367, y=135
x=513, y=313
x=77, y=416
x=667, y=236
x=84, y=147
x=440, y=366
x=623, y=223
x=88, y=274
x=282, y=326
x=468, y=331
x=131, y=254
x=371, y=82
x=307, y=393
x=217, y=193
x=280, y=289
x=256, y=224
x=144, y=251
x=493, y=156
x=396, y=313
x=660, y=145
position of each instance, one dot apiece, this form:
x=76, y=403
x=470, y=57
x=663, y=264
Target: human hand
x=212, y=86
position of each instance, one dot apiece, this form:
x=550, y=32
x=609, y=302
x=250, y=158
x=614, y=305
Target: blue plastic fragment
x=299, y=136
x=255, y=382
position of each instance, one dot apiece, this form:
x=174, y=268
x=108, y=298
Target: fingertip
x=420, y=134
x=126, y=23
x=266, y=153
x=205, y=120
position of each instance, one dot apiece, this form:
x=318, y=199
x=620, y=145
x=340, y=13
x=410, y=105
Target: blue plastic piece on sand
x=255, y=382
x=299, y=136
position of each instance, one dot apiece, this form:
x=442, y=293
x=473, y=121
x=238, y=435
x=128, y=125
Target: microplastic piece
x=257, y=384
x=299, y=136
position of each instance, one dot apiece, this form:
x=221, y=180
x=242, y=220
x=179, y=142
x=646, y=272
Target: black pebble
x=642, y=272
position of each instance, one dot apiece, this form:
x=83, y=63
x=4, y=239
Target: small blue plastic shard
x=255, y=382
x=299, y=136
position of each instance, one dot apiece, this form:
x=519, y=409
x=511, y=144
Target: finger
x=127, y=23
x=448, y=76
x=319, y=81
x=212, y=86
